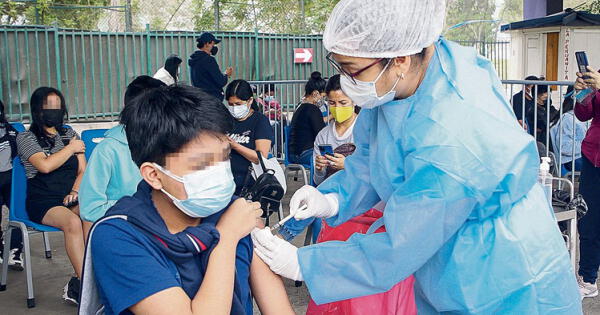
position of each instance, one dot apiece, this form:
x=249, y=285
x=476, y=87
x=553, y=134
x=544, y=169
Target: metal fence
x=92, y=68
x=496, y=52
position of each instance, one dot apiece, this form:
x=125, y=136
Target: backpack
x=266, y=189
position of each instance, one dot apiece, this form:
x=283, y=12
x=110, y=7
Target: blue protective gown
x=464, y=211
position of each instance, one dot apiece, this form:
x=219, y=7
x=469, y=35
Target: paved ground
x=50, y=275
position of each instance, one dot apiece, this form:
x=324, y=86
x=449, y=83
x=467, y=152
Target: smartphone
x=582, y=63
x=326, y=149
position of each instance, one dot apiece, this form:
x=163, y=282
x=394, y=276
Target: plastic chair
x=91, y=138
x=19, y=219
x=19, y=127
x=291, y=166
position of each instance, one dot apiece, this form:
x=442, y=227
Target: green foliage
x=512, y=11
x=11, y=11
x=203, y=15
x=594, y=7
x=459, y=11
x=58, y=12
x=278, y=16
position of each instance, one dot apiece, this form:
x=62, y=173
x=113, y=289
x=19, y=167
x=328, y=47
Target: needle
x=282, y=222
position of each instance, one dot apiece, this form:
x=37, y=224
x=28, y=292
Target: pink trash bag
x=398, y=300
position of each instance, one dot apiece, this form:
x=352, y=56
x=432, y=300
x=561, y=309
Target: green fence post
x=57, y=59
x=148, y=51
x=256, y=57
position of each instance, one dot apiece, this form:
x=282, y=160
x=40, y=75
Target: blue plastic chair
x=19, y=127
x=19, y=219
x=91, y=138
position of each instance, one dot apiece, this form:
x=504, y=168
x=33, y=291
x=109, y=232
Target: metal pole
x=148, y=50
x=256, y=56
x=216, y=13
x=303, y=15
x=128, y=17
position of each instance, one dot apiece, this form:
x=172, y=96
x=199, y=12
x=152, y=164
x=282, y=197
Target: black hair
x=2, y=115
x=540, y=89
x=242, y=90
x=315, y=83
x=172, y=64
x=161, y=121
x=269, y=88
x=36, y=103
x=568, y=103
x=139, y=85
x=200, y=43
x=333, y=84
x=532, y=78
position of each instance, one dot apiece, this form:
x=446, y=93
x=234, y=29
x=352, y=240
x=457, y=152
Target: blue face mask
x=208, y=191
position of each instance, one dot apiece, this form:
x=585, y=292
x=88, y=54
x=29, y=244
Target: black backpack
x=266, y=189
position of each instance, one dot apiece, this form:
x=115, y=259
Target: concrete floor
x=50, y=276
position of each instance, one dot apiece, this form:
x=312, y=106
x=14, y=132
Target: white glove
x=279, y=255
x=317, y=204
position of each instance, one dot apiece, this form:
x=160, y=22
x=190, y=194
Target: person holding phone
x=589, y=225
x=337, y=136
x=332, y=144
x=54, y=161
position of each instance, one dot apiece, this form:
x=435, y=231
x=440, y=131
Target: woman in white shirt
x=338, y=134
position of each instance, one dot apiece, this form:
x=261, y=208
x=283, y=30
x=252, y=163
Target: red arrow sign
x=303, y=55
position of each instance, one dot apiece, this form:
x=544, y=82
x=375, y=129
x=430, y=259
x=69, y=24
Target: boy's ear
x=151, y=175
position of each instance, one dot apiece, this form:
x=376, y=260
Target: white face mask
x=208, y=191
x=239, y=111
x=364, y=94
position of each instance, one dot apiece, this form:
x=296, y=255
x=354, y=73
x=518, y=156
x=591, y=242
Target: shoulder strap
x=261, y=162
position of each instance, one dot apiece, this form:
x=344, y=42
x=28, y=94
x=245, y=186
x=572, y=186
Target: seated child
x=180, y=244
x=111, y=173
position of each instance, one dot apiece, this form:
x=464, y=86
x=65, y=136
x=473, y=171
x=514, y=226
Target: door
x=552, y=57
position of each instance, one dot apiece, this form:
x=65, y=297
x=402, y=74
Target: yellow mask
x=341, y=114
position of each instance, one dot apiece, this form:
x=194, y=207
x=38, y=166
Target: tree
x=63, y=13
x=278, y=16
x=459, y=11
x=512, y=11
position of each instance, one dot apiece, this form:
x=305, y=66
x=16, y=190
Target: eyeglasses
x=351, y=76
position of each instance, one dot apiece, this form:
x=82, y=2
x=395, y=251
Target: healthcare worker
x=438, y=142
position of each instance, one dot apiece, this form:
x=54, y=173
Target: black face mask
x=53, y=117
x=214, y=50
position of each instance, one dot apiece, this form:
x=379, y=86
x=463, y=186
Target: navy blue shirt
x=255, y=127
x=206, y=74
x=129, y=267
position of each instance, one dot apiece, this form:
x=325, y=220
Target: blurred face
x=201, y=153
x=542, y=98
x=236, y=101
x=52, y=102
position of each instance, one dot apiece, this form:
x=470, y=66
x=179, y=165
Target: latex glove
x=317, y=204
x=279, y=255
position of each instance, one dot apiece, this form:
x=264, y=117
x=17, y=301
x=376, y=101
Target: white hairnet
x=383, y=28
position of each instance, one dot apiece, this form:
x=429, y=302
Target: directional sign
x=303, y=55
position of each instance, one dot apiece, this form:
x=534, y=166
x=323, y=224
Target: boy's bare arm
x=268, y=289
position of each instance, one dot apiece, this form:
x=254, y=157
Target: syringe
x=282, y=222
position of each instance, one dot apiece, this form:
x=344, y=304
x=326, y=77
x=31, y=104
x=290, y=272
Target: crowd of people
x=575, y=148
x=417, y=212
